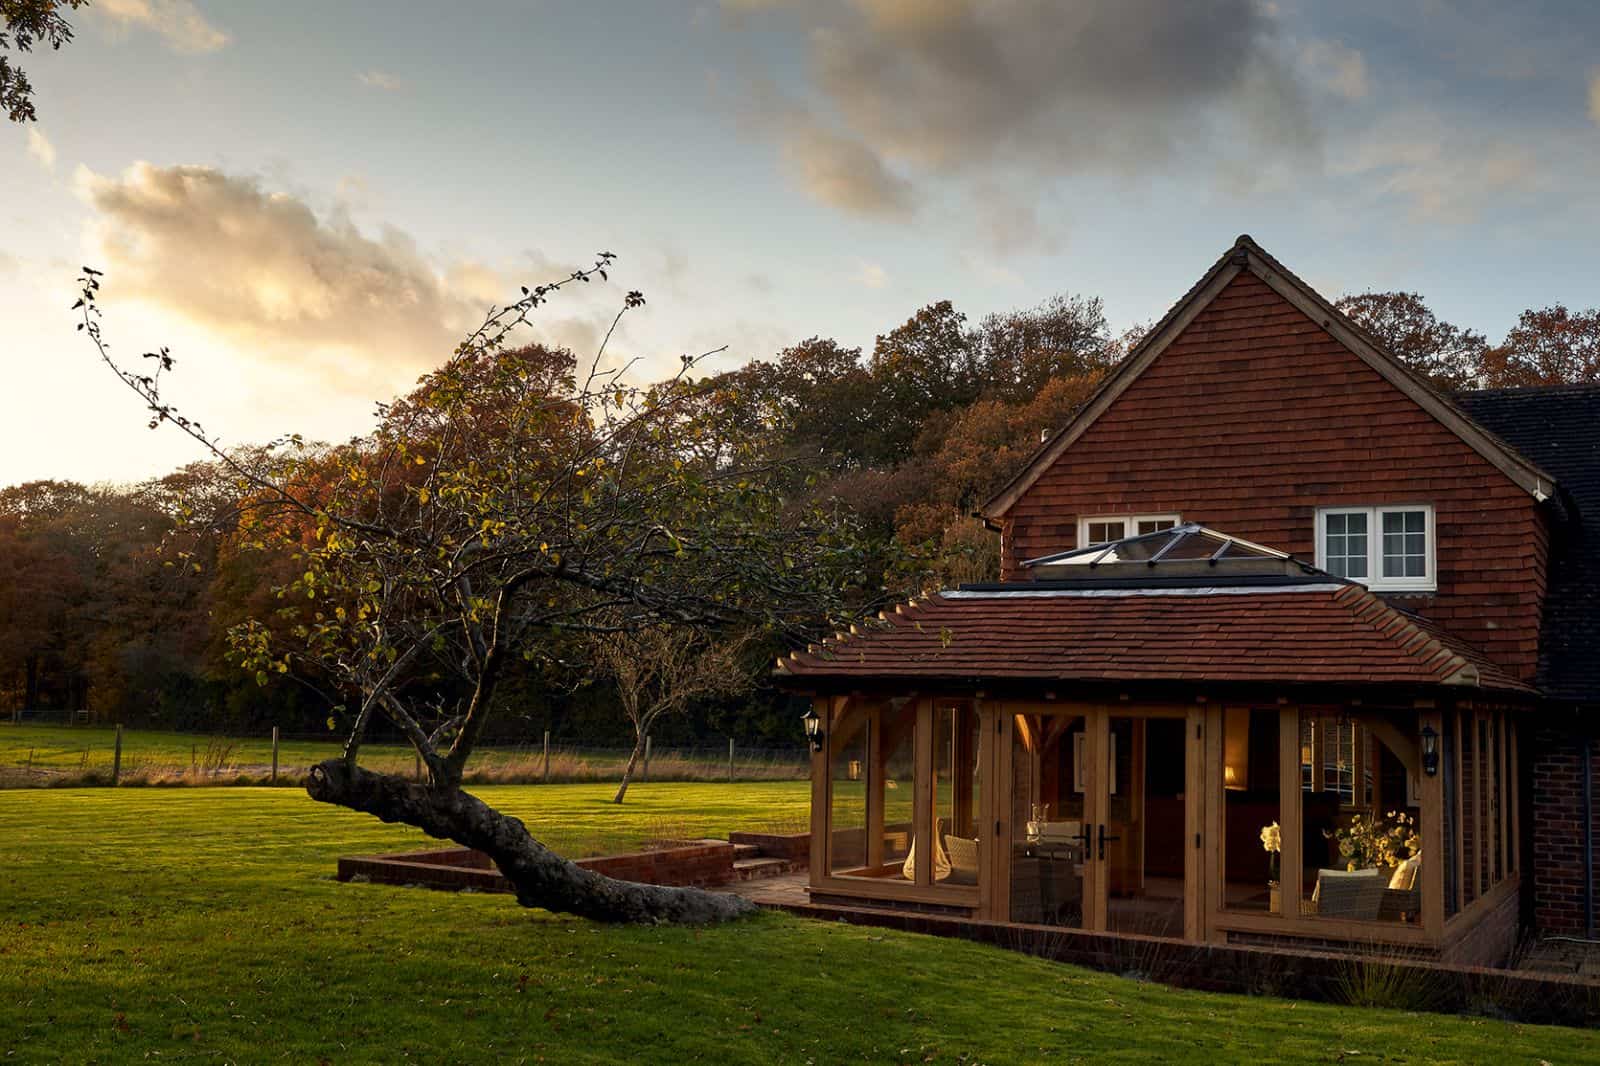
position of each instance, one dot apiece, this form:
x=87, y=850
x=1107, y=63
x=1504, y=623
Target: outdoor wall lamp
x=813, y=726
x=1430, y=751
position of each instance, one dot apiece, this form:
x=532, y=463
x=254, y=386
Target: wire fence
x=44, y=754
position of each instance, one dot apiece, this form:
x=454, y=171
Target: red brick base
x=699, y=864
x=1557, y=829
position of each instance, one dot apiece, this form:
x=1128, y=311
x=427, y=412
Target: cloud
x=1594, y=96
x=872, y=275
x=1342, y=70
x=264, y=270
x=841, y=171
x=904, y=92
x=1447, y=173
x=41, y=149
x=179, y=22
x=378, y=79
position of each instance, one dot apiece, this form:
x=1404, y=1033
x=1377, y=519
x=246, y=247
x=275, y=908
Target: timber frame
x=1473, y=831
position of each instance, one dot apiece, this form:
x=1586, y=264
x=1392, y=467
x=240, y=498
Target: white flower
x=1272, y=837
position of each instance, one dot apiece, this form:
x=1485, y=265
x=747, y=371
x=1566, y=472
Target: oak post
x=116, y=758
x=546, y=774
x=1291, y=865
x=1433, y=800
x=274, y=755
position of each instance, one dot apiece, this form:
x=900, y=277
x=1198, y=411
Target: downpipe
x=1588, y=834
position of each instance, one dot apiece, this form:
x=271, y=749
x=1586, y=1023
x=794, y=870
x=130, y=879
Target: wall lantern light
x=1430, y=751
x=813, y=726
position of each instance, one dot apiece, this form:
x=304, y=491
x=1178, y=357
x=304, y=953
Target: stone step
x=746, y=851
x=750, y=869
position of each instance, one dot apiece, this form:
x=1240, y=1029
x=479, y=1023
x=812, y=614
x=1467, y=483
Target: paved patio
x=787, y=890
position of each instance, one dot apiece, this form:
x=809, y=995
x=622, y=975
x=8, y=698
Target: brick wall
x=699, y=864
x=1557, y=829
x=1252, y=419
x=1492, y=936
x=1260, y=969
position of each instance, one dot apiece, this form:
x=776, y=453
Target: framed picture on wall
x=1080, y=749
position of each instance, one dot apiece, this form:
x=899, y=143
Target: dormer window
x=1103, y=529
x=1389, y=549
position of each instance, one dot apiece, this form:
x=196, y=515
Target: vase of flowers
x=1370, y=841
x=1272, y=844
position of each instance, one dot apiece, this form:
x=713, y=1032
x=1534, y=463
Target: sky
x=309, y=202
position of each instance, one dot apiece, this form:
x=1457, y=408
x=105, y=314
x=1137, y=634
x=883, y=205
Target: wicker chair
x=963, y=860
x=1349, y=894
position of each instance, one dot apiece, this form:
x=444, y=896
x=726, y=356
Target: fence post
x=730, y=758
x=646, y=775
x=547, y=756
x=116, y=758
x=274, y=755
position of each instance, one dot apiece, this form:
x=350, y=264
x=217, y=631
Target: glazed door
x=1144, y=843
x=1105, y=809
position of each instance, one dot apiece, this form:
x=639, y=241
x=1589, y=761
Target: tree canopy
x=28, y=23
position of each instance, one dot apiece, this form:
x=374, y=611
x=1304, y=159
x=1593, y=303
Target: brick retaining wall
x=699, y=864
x=796, y=847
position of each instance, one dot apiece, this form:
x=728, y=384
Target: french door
x=1105, y=818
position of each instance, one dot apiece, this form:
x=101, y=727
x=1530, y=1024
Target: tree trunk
x=540, y=877
x=627, y=771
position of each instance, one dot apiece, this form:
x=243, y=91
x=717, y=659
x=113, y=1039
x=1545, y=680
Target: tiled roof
x=1328, y=633
x=1558, y=427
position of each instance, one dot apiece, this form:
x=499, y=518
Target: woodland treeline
x=111, y=601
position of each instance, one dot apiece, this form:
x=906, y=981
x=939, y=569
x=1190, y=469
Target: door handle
x=1103, y=839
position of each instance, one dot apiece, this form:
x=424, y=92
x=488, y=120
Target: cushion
x=963, y=860
x=1405, y=875
x=941, y=862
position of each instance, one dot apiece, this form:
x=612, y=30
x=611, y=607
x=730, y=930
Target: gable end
x=1247, y=255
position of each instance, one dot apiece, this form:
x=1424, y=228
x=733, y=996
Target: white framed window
x=1103, y=529
x=1386, y=548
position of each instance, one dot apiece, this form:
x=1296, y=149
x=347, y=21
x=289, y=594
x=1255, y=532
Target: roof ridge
x=1418, y=643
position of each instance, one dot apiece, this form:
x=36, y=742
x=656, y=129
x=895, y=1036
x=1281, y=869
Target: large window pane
x=956, y=739
x=847, y=788
x=1047, y=807
x=1251, y=810
x=893, y=783
x=1360, y=815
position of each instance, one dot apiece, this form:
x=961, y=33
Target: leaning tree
x=514, y=504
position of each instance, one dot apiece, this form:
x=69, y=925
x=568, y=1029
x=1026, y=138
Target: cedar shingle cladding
x=1253, y=418
x=1308, y=634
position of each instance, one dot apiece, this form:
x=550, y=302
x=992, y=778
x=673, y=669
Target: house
x=1288, y=649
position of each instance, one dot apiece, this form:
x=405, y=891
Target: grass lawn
x=203, y=925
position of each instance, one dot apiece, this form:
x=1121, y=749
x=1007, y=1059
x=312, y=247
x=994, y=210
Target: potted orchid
x=1272, y=844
